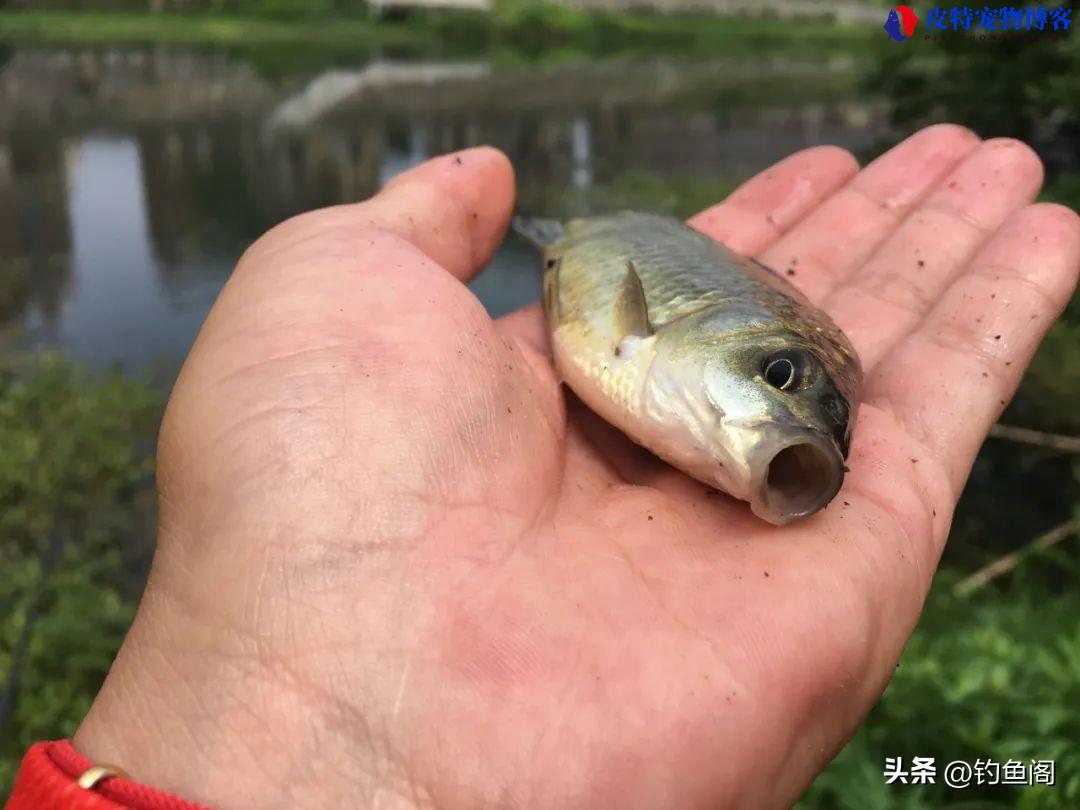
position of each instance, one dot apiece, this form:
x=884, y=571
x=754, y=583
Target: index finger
x=769, y=204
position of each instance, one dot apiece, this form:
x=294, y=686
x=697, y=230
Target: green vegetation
x=537, y=28
x=994, y=676
x=75, y=531
x=70, y=453
x=76, y=623
x=101, y=27
x=1022, y=87
x=514, y=30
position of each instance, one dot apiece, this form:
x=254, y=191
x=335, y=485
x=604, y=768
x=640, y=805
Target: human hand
x=397, y=567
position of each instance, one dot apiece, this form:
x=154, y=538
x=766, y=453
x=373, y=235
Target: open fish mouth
x=799, y=479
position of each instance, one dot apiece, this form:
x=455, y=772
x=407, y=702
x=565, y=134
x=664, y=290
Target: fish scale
x=680, y=274
x=682, y=271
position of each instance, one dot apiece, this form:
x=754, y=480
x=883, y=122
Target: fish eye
x=786, y=370
x=780, y=373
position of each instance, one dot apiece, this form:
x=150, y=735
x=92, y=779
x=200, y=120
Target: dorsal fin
x=541, y=232
x=631, y=308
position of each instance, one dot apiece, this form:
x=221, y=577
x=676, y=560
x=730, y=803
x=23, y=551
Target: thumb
x=454, y=208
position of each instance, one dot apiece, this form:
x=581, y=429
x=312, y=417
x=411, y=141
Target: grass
x=532, y=29
x=992, y=677
x=75, y=523
x=102, y=28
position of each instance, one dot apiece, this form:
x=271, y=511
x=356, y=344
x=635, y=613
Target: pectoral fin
x=631, y=309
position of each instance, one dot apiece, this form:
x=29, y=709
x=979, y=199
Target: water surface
x=131, y=179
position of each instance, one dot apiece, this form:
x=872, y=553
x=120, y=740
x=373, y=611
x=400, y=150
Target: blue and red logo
x=901, y=23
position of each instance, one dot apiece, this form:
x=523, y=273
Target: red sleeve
x=47, y=780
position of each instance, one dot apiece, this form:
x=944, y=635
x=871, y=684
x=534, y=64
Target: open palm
x=399, y=566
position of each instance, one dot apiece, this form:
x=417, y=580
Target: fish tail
x=540, y=232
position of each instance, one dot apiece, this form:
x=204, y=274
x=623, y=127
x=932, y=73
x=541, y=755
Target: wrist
x=182, y=716
x=153, y=719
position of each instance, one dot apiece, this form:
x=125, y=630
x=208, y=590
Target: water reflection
x=131, y=180
x=123, y=301
x=34, y=230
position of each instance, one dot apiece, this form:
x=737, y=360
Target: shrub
x=75, y=531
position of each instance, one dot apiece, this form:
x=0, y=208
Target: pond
x=131, y=179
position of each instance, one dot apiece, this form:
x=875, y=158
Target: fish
x=709, y=359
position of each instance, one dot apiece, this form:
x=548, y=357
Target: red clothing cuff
x=47, y=780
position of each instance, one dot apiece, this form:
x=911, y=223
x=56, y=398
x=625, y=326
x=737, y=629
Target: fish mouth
x=800, y=478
